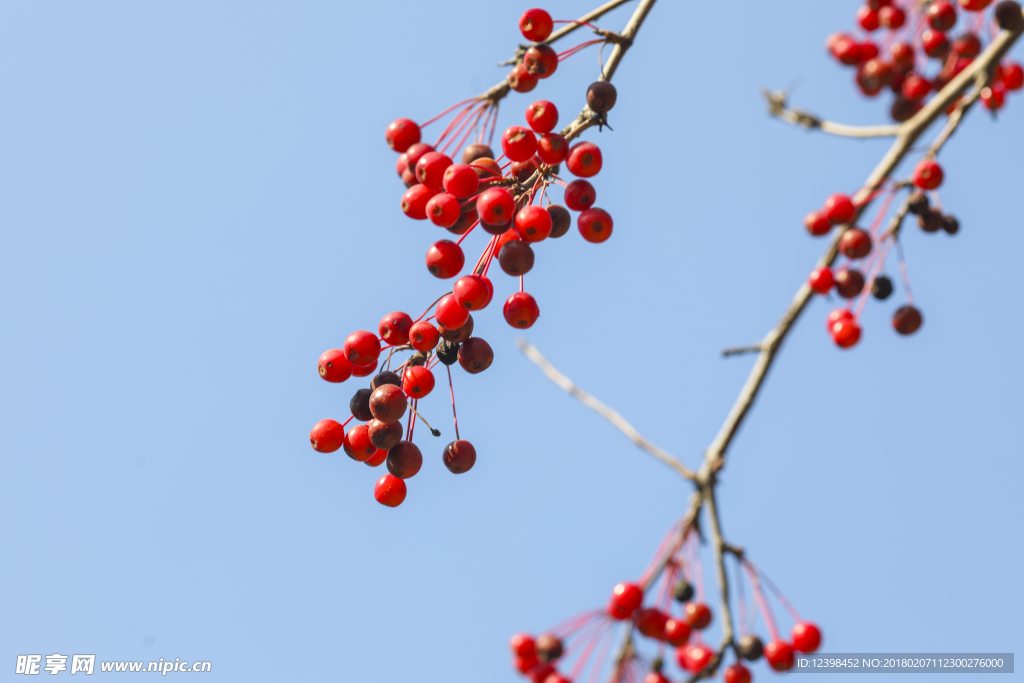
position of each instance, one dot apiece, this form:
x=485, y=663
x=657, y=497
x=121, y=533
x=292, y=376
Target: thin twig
x=601, y=409
x=778, y=107
x=740, y=350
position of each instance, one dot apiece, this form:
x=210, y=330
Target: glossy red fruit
x=471, y=292
x=377, y=459
x=806, y=637
x=518, y=143
x=430, y=169
x=975, y=5
x=817, y=223
x=694, y=658
x=521, y=644
x=928, y=174
x=915, y=87
x=535, y=25
x=445, y=259
x=521, y=310
x=326, y=436
x=389, y=490
x=994, y=96
x=388, y=403
x=866, y=50
x=541, y=61
x=401, y=134
x=967, y=46
x=552, y=148
x=855, y=243
x=780, y=655
x=844, y=48
x=595, y=225
x=867, y=17
x=460, y=180
x=584, y=160
x=414, y=202
x=460, y=456
x=521, y=80
x=677, y=632
x=364, y=370
x=417, y=381
x=524, y=664
x=541, y=672
x=907, y=320
x=821, y=280
x=362, y=347
x=941, y=15
x=837, y=315
x=556, y=678
x=651, y=623
x=935, y=43
x=533, y=223
x=846, y=333
x=450, y=314
x=495, y=206
x=475, y=355
x=626, y=599
x=423, y=336
x=698, y=615
x=839, y=209
x=413, y=154
x=443, y=210
x=394, y=328
x=1012, y=75
x=357, y=444
x=873, y=75
x=737, y=673
x=542, y=116
x=404, y=460
x=334, y=366
x=580, y=195
x=892, y=17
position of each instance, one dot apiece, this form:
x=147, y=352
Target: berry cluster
x=507, y=197
x=673, y=618
x=922, y=49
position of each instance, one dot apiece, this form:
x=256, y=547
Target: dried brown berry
x=447, y=352
x=907, y=320
x=476, y=151
x=549, y=648
x=516, y=257
x=460, y=334
x=750, y=648
x=601, y=96
x=475, y=355
x=1009, y=16
x=561, y=220
x=849, y=283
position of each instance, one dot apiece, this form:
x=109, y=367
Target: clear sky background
x=196, y=200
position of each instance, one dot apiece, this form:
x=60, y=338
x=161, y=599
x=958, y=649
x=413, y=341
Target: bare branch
x=778, y=107
x=601, y=409
x=740, y=350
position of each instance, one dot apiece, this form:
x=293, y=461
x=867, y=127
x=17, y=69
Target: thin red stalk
x=462, y=126
x=766, y=611
x=573, y=50
x=345, y=423
x=454, y=122
x=459, y=241
x=470, y=130
x=779, y=596
x=449, y=109
x=431, y=306
x=593, y=639
x=606, y=643
x=451, y=387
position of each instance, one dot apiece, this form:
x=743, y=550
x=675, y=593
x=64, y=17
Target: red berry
x=677, y=632
x=541, y=61
x=579, y=195
x=698, y=615
x=404, y=460
x=837, y=315
x=388, y=403
x=967, y=46
x=460, y=456
x=389, y=491
x=521, y=80
x=839, y=209
x=334, y=366
x=941, y=15
x=584, y=160
x=935, y=43
x=450, y=314
x=357, y=444
x=1012, y=76
x=542, y=116
x=535, y=25
x=552, y=148
x=362, y=348
x=423, y=336
x=915, y=87
x=556, y=678
x=377, y=459
x=430, y=169
x=394, y=328
x=533, y=223
x=417, y=381
x=524, y=170
x=626, y=599
x=414, y=201
x=651, y=623
x=471, y=292
x=779, y=655
x=521, y=310
x=845, y=333
x=928, y=174
x=867, y=17
x=694, y=658
x=806, y=637
x=413, y=154
x=445, y=259
x=821, y=280
x=521, y=644
x=518, y=143
x=326, y=436
x=495, y=206
x=844, y=48
x=475, y=355
x=907, y=320
x=401, y=133
x=656, y=677
x=595, y=225
x=364, y=370
x=524, y=664
x=855, y=243
x=892, y=17
x=994, y=96
x=457, y=335
x=460, y=180
x=540, y=672
x=817, y=223
x=737, y=673
x=866, y=50
x=384, y=435
x=849, y=283
x=444, y=210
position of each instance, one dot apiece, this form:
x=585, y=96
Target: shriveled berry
x=476, y=150
x=542, y=116
x=750, y=648
x=535, y=25
x=677, y=632
x=580, y=195
x=541, y=61
x=495, y=206
x=475, y=355
x=907, y=320
x=394, y=328
x=460, y=180
x=561, y=220
x=423, y=336
x=449, y=313
x=683, y=591
x=445, y=259
x=737, y=673
x=533, y=223
x=360, y=405
x=821, y=280
x=377, y=459
x=521, y=310
x=467, y=218
x=417, y=381
x=518, y=143
x=950, y=224
x=417, y=359
x=1008, y=15
x=404, y=459
x=389, y=490
x=382, y=378
x=521, y=80
x=601, y=96
x=388, y=403
x=487, y=169
x=694, y=658
x=326, y=436
x=334, y=366
x=584, y=160
x=882, y=287
x=401, y=133
x=626, y=599
x=447, y=352
x=779, y=655
x=524, y=170
x=806, y=637
x=918, y=204
x=928, y=174
x=552, y=148
x=384, y=435
x=930, y=221
x=516, y=257
x=698, y=615
x=459, y=456
x=855, y=243
x=471, y=292
x=459, y=334
x=362, y=348
x=941, y=15
x=849, y=283
x=904, y=109
x=414, y=201
x=817, y=223
x=549, y=648
x=595, y=225
x=357, y=443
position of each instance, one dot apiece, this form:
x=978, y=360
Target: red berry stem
x=469, y=131
x=766, y=612
x=451, y=389
x=431, y=306
x=345, y=423
x=574, y=21
x=573, y=50
x=777, y=593
x=448, y=110
x=471, y=228
x=455, y=121
x=520, y=283
x=468, y=117
x=741, y=604
x=903, y=272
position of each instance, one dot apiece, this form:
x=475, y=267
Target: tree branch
x=601, y=409
x=778, y=107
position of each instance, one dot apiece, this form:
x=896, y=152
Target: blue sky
x=194, y=201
